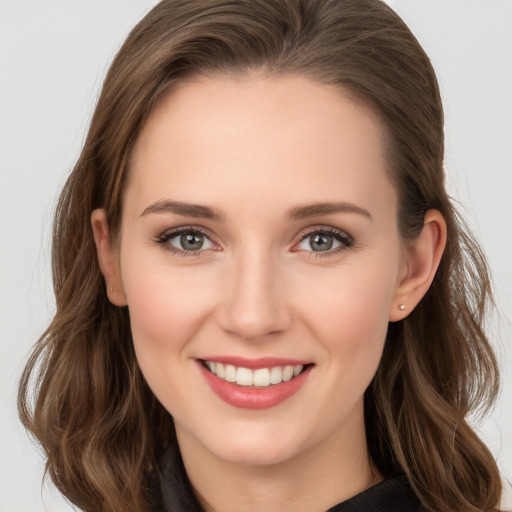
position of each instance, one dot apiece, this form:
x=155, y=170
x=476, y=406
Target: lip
x=255, y=364
x=253, y=398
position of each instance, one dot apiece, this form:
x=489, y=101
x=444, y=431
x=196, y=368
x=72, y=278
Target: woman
x=283, y=310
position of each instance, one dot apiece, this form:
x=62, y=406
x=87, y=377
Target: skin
x=254, y=149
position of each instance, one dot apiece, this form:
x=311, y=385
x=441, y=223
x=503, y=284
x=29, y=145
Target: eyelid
x=341, y=236
x=168, y=234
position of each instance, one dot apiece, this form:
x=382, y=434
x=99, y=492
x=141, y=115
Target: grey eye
x=190, y=241
x=321, y=242
x=324, y=241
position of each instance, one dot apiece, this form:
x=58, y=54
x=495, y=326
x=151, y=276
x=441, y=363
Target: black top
x=173, y=494
x=392, y=495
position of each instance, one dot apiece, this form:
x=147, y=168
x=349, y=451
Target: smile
x=254, y=384
x=260, y=378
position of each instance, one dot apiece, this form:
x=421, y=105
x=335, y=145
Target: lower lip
x=254, y=398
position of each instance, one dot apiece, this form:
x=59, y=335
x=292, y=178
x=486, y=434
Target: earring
x=401, y=307
x=113, y=290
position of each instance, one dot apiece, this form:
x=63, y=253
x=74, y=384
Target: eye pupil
x=191, y=241
x=321, y=242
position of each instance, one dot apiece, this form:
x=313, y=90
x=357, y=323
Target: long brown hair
x=102, y=429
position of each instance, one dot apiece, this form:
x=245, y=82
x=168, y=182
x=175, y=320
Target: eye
x=324, y=240
x=185, y=240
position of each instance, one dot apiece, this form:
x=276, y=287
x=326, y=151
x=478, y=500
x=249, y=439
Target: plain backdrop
x=53, y=57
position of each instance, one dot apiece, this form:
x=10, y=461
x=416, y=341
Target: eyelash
x=164, y=238
x=345, y=240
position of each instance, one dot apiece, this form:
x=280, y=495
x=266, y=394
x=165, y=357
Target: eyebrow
x=185, y=209
x=317, y=209
x=296, y=213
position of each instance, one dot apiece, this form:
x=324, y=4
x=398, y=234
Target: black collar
x=392, y=495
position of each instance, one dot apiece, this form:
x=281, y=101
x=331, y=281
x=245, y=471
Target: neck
x=315, y=479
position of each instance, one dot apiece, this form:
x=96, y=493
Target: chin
x=264, y=445
x=256, y=454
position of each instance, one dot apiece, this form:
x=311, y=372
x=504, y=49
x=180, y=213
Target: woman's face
x=259, y=232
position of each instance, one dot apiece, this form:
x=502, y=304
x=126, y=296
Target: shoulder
x=389, y=495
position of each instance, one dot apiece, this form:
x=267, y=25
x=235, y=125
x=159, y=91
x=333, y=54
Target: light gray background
x=53, y=56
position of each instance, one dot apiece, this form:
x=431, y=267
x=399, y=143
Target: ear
x=108, y=258
x=422, y=257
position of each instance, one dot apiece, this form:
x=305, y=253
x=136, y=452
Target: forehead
x=218, y=138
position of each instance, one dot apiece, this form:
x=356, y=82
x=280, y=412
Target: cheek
x=166, y=308
x=349, y=313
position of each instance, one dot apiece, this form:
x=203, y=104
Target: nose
x=253, y=303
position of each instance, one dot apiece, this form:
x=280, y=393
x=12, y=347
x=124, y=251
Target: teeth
x=244, y=377
x=221, y=371
x=287, y=373
x=230, y=374
x=261, y=378
x=276, y=375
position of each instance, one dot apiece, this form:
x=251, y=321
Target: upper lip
x=254, y=364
